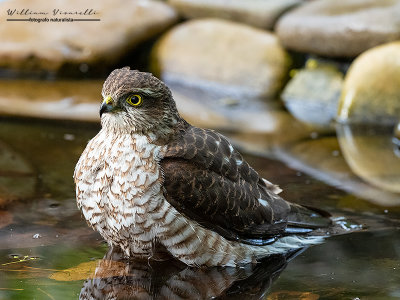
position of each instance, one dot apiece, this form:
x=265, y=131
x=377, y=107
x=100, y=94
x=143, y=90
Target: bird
x=150, y=179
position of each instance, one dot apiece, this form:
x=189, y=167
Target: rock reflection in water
x=116, y=278
x=396, y=140
x=370, y=153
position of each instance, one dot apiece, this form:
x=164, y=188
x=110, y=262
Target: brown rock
x=50, y=45
x=371, y=90
x=211, y=56
x=258, y=13
x=340, y=28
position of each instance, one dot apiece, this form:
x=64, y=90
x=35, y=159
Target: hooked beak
x=106, y=106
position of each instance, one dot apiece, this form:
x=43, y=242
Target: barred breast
x=118, y=183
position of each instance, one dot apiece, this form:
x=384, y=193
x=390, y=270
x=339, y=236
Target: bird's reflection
x=117, y=278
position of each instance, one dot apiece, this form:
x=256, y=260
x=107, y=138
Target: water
x=48, y=252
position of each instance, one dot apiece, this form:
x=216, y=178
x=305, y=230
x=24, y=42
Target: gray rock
x=340, y=28
x=50, y=45
x=66, y=100
x=211, y=56
x=258, y=13
x=312, y=95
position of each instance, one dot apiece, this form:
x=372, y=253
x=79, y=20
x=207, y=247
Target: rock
x=245, y=118
x=80, y=101
x=208, y=56
x=17, y=177
x=371, y=90
x=368, y=150
x=345, y=28
x=67, y=100
x=197, y=114
x=51, y=45
x=258, y=13
x=313, y=94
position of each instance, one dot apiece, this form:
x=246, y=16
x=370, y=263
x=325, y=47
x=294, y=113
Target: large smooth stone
x=371, y=91
x=340, y=28
x=222, y=59
x=258, y=13
x=65, y=100
x=50, y=45
x=17, y=178
x=312, y=95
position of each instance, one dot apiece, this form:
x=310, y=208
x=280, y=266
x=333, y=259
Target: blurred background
x=309, y=91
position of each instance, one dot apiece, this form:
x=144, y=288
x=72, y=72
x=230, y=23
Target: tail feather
x=304, y=219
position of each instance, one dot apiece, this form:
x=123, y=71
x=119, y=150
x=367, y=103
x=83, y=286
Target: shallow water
x=48, y=252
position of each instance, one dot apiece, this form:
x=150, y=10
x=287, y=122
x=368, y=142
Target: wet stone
x=207, y=55
x=340, y=28
x=371, y=90
x=258, y=13
x=122, y=26
x=66, y=100
x=80, y=101
x=312, y=95
x=208, y=111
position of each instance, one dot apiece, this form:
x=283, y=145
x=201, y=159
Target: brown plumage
x=151, y=178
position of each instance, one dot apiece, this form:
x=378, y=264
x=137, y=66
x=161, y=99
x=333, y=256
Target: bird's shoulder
x=208, y=149
x=207, y=179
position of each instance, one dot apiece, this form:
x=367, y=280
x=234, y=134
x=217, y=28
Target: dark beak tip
x=103, y=108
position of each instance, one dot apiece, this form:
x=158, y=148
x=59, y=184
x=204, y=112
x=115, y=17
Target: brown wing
x=206, y=179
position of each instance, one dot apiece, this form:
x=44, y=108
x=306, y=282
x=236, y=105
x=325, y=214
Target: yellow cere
x=108, y=100
x=134, y=100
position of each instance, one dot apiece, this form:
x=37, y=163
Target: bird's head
x=137, y=102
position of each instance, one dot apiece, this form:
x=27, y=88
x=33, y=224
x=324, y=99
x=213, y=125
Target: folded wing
x=206, y=179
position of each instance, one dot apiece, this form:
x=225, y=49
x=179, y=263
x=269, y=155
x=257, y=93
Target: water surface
x=48, y=252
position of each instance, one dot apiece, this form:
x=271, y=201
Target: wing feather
x=208, y=180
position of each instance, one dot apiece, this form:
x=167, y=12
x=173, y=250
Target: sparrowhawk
x=149, y=179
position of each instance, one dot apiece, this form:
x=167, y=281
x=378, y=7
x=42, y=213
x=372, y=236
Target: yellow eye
x=134, y=100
